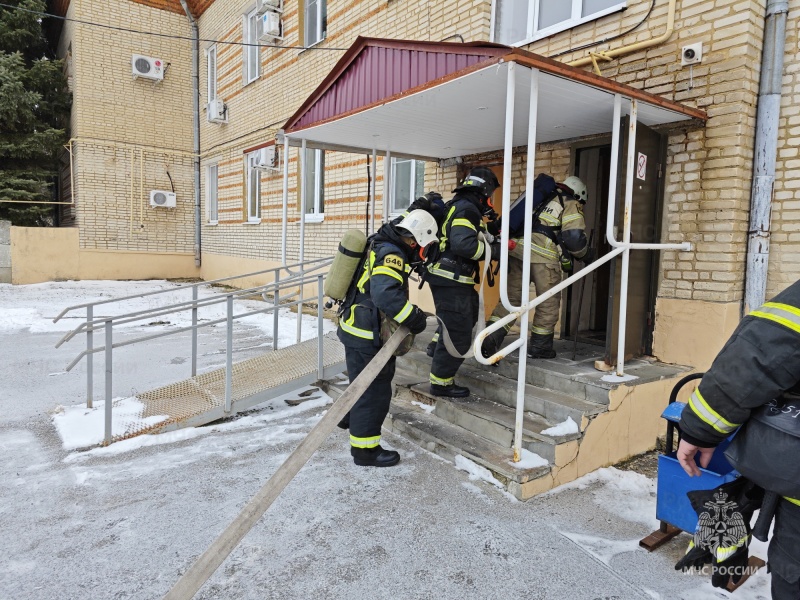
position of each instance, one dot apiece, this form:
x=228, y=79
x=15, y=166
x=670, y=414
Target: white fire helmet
x=422, y=225
x=576, y=185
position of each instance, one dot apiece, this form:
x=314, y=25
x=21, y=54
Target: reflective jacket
x=568, y=221
x=382, y=286
x=460, y=247
x=759, y=363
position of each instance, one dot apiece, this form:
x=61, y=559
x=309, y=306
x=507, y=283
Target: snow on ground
x=125, y=521
x=529, y=460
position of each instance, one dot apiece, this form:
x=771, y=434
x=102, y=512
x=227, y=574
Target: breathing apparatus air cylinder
x=345, y=263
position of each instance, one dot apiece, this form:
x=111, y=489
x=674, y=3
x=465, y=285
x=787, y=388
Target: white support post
x=89, y=356
x=511, y=88
x=109, y=381
x=276, y=302
x=320, y=329
x=374, y=186
x=626, y=240
x=387, y=185
x=303, y=195
x=229, y=354
x=285, y=197
x=614, y=172
x=526, y=264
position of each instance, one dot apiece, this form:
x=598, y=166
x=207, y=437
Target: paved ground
x=115, y=524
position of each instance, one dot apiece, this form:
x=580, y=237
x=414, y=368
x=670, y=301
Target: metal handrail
x=297, y=279
x=187, y=286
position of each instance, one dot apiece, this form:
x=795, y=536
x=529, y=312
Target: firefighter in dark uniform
x=453, y=276
x=759, y=364
x=382, y=292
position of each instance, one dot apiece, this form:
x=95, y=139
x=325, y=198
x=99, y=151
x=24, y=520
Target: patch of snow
x=529, y=460
x=632, y=495
x=81, y=427
x=566, y=428
x=612, y=378
x=473, y=489
x=476, y=472
x=428, y=408
x=601, y=548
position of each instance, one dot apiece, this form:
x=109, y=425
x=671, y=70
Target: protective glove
x=566, y=263
x=495, y=249
x=417, y=321
x=731, y=570
x=589, y=257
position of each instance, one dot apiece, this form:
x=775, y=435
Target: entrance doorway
x=594, y=312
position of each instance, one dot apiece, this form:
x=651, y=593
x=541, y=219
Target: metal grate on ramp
x=201, y=399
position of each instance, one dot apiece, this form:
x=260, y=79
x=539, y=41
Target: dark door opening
x=599, y=312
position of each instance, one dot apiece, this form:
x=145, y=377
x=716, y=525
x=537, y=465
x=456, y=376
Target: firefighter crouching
x=381, y=293
x=558, y=237
x=453, y=276
x=755, y=381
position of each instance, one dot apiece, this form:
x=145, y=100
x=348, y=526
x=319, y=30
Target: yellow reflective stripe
x=479, y=251
x=403, y=314
x=542, y=330
x=708, y=415
x=348, y=326
x=784, y=314
x=440, y=381
x=723, y=554
x=435, y=337
x=570, y=219
x=443, y=241
x=365, y=275
x=548, y=219
x=541, y=251
x=388, y=271
x=464, y=223
x=436, y=270
x=365, y=442
x=792, y=500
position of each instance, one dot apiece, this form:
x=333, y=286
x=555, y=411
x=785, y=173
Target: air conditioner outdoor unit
x=217, y=112
x=271, y=25
x=267, y=5
x=147, y=67
x=266, y=158
x=162, y=199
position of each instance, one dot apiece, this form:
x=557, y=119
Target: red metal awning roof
x=420, y=99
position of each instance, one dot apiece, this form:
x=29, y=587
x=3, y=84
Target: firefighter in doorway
x=755, y=381
x=558, y=238
x=453, y=276
x=381, y=292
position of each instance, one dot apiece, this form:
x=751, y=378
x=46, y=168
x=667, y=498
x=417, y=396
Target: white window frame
x=317, y=213
x=250, y=22
x=396, y=209
x=211, y=59
x=533, y=18
x=212, y=199
x=321, y=34
x=252, y=196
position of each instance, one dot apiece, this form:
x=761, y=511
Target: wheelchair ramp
x=201, y=399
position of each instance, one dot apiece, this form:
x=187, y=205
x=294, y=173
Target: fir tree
x=34, y=108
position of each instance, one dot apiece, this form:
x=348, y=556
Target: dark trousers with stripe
x=784, y=553
x=457, y=307
x=370, y=410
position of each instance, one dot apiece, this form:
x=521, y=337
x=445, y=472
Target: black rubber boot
x=492, y=343
x=541, y=346
x=374, y=457
x=450, y=391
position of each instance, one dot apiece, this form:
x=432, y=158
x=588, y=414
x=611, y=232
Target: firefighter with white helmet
x=558, y=237
x=380, y=293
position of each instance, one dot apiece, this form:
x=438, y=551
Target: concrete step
x=448, y=441
x=489, y=383
x=492, y=421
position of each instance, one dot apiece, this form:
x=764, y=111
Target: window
x=315, y=21
x=212, y=188
x=252, y=53
x=408, y=183
x=314, y=184
x=253, y=185
x=522, y=21
x=212, y=74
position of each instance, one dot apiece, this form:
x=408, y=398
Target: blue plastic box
x=672, y=504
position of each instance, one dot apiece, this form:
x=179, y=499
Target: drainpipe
x=196, y=126
x=766, y=150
